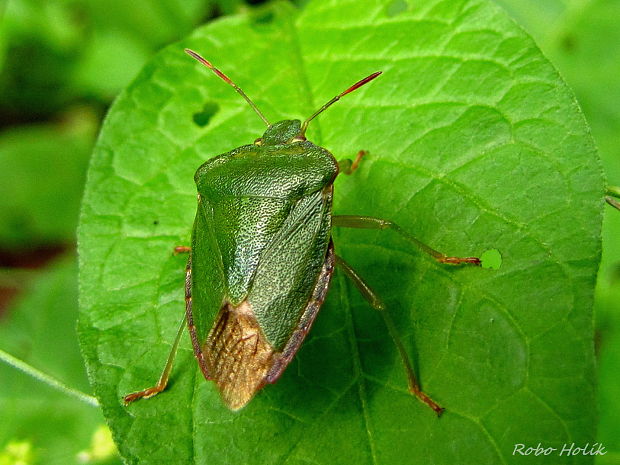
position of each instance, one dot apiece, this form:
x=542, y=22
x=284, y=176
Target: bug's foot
x=428, y=401
x=358, y=159
x=438, y=410
x=461, y=261
x=145, y=394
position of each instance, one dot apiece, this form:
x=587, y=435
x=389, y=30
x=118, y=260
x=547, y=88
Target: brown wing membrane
x=237, y=355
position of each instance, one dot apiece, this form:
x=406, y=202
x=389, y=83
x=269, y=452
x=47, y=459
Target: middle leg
x=368, y=222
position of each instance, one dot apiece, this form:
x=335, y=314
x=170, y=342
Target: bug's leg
x=613, y=202
x=368, y=222
x=165, y=374
x=182, y=249
x=375, y=302
x=349, y=166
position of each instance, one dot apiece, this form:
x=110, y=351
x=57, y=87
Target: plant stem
x=613, y=191
x=47, y=379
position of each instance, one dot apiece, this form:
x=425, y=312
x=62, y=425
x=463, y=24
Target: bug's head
x=282, y=132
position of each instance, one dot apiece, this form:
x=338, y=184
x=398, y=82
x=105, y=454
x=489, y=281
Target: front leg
x=348, y=166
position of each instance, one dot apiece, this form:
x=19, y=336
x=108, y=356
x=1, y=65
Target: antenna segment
x=227, y=79
x=357, y=85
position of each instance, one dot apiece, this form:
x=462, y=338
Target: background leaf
x=40, y=329
x=42, y=176
x=475, y=144
x=583, y=40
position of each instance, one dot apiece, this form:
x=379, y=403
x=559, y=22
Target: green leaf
x=584, y=43
x=46, y=425
x=475, y=144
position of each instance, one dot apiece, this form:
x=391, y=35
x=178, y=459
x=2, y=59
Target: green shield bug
x=262, y=257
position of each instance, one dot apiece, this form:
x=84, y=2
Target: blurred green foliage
x=43, y=173
x=39, y=423
x=59, y=51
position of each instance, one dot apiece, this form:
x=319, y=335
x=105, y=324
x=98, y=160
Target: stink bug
x=262, y=257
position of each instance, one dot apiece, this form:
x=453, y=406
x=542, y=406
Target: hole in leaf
x=203, y=117
x=396, y=7
x=569, y=43
x=491, y=259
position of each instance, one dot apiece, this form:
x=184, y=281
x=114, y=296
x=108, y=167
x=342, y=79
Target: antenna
x=227, y=79
x=357, y=85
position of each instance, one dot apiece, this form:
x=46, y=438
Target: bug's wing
x=290, y=267
x=237, y=354
x=251, y=343
x=312, y=309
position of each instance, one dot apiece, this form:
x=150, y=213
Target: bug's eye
x=258, y=141
x=298, y=139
